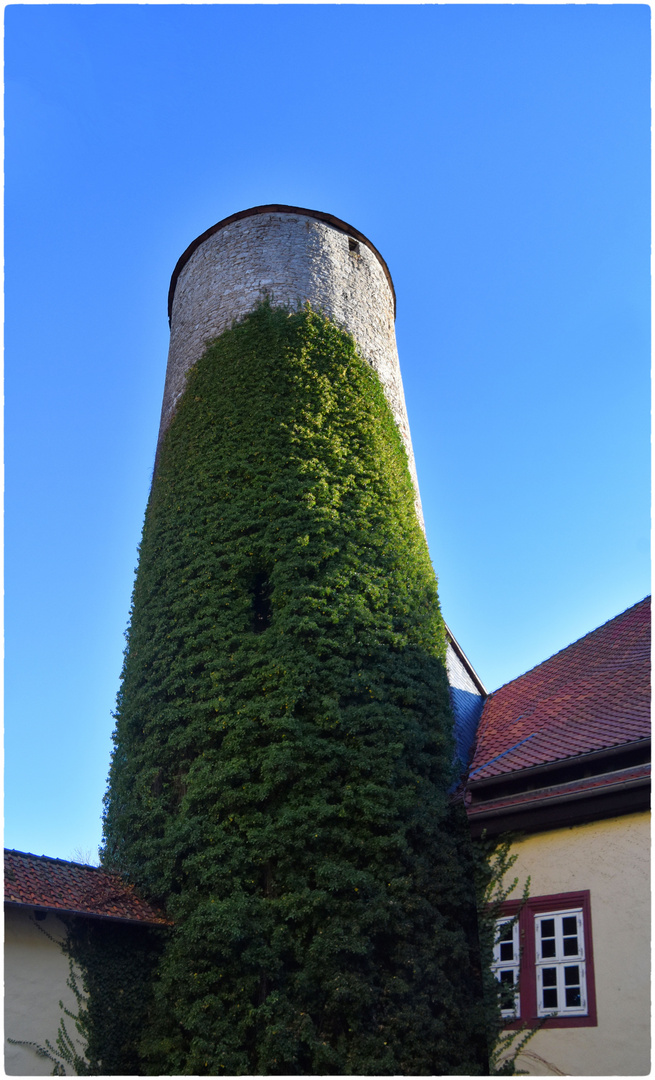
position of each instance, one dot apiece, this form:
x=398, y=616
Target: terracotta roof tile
x=593, y=695
x=42, y=882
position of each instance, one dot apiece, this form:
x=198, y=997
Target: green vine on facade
x=283, y=746
x=494, y=861
x=67, y=1055
x=111, y=970
x=117, y=962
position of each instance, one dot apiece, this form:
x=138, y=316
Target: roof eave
x=575, y=760
x=78, y=913
x=541, y=813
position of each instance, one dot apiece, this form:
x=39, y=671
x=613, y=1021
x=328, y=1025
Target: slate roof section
x=591, y=696
x=38, y=881
x=467, y=695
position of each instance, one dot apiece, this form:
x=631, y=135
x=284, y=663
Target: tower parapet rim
x=272, y=208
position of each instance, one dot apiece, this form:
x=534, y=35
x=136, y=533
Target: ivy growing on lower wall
x=111, y=971
x=112, y=975
x=283, y=739
x=493, y=860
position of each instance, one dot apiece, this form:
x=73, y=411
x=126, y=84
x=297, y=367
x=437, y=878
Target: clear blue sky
x=497, y=156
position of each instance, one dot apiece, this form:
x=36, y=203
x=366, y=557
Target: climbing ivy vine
x=283, y=741
x=493, y=860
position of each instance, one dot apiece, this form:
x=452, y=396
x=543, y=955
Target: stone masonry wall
x=289, y=258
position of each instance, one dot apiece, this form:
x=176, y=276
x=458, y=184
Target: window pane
x=506, y=932
x=570, y=925
x=547, y=932
x=550, y=977
x=572, y=976
x=507, y=950
x=573, y=996
x=507, y=999
x=570, y=946
x=550, y=999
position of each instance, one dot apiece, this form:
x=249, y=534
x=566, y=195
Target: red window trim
x=538, y=905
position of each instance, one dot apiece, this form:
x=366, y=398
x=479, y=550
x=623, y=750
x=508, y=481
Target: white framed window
x=560, y=963
x=544, y=958
x=506, y=966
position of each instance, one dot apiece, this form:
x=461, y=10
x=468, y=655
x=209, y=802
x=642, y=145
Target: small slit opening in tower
x=353, y=246
x=261, y=603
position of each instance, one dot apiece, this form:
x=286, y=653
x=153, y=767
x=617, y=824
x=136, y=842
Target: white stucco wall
x=612, y=859
x=36, y=971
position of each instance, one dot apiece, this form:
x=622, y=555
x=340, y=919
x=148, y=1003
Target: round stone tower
x=283, y=744
x=290, y=256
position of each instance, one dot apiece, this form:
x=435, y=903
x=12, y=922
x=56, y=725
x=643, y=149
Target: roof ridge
x=56, y=859
x=592, y=695
x=565, y=648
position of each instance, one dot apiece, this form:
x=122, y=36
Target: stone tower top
x=270, y=208
x=288, y=255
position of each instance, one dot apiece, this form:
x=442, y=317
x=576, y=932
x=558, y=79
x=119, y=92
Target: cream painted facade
x=36, y=971
x=611, y=858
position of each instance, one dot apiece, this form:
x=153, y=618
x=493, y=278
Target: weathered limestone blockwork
x=290, y=258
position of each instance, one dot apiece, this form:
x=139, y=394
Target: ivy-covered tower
x=283, y=746
x=286, y=256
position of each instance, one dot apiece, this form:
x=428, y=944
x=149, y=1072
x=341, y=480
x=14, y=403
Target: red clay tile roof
x=57, y=885
x=590, y=696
